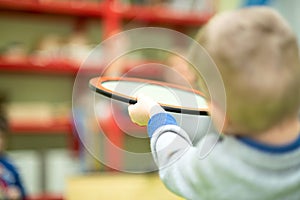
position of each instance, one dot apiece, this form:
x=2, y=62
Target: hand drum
x=173, y=98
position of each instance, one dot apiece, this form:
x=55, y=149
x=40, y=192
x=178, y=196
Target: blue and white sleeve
x=168, y=140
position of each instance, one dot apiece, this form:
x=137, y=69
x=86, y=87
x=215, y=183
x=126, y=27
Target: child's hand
x=140, y=112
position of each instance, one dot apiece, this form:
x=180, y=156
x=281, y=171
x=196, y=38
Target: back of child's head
x=256, y=53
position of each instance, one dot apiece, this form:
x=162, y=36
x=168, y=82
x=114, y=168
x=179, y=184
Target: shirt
x=221, y=168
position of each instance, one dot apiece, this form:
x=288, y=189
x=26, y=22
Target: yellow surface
x=117, y=186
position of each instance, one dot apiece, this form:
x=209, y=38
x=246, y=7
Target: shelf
x=156, y=14
x=53, y=67
x=56, y=67
x=75, y=8
x=65, y=67
x=165, y=15
x=62, y=126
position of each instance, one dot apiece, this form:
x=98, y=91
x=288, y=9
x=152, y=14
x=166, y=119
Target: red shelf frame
x=109, y=9
x=53, y=67
x=75, y=8
x=63, y=126
x=64, y=67
x=159, y=14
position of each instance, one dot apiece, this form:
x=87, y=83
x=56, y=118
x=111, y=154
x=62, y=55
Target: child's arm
x=171, y=146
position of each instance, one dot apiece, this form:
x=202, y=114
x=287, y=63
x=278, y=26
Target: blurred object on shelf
x=192, y=5
x=79, y=50
x=61, y=111
x=94, y=60
x=38, y=113
x=177, y=5
x=29, y=112
x=72, y=51
x=14, y=52
x=76, y=49
x=49, y=48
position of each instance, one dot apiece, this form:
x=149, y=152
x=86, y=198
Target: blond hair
x=256, y=53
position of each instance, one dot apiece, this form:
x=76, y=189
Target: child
x=259, y=154
x=11, y=186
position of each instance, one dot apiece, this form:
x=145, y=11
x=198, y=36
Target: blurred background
x=42, y=44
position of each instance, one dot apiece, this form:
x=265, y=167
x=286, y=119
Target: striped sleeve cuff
x=158, y=120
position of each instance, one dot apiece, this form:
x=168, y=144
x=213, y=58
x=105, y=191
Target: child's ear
x=218, y=117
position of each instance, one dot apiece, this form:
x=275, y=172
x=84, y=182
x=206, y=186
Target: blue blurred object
x=257, y=2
